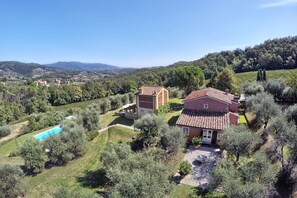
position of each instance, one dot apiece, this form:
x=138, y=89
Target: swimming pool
x=46, y=134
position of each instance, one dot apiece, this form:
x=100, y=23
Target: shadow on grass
x=173, y=120
x=94, y=179
x=122, y=120
x=175, y=106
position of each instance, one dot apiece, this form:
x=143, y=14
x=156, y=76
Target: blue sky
x=137, y=33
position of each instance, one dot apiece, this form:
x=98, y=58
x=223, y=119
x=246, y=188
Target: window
x=186, y=131
x=205, y=106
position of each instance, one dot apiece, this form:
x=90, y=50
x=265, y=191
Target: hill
x=18, y=69
x=78, y=66
x=279, y=53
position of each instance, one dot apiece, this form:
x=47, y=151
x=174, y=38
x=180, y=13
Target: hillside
x=18, y=69
x=78, y=66
x=279, y=53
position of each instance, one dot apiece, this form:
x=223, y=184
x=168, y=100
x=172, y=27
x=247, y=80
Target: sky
x=137, y=33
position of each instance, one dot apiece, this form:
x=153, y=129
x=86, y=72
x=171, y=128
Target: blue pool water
x=46, y=134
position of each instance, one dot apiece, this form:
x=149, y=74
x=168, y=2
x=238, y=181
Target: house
x=207, y=113
x=149, y=99
x=41, y=82
x=57, y=82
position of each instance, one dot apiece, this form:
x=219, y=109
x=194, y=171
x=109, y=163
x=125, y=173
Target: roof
x=150, y=90
x=213, y=93
x=204, y=119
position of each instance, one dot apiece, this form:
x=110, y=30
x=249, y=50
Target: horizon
x=134, y=34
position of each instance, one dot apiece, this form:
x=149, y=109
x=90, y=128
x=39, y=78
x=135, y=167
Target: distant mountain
x=19, y=69
x=78, y=66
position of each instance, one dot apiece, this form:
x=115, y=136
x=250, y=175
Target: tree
x=172, y=139
x=129, y=86
x=213, y=79
x=259, y=76
x=115, y=102
x=125, y=99
x=65, y=146
x=264, y=78
x=276, y=88
x=238, y=140
x=291, y=113
x=188, y=77
x=150, y=127
x=263, y=106
x=11, y=181
x=282, y=131
x=90, y=119
x=252, y=88
x=105, y=106
x=131, y=97
x=134, y=174
x=226, y=80
x=4, y=131
x=33, y=155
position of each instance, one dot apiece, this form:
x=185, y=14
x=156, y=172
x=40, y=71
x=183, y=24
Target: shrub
x=197, y=141
x=185, y=168
x=4, y=131
x=163, y=109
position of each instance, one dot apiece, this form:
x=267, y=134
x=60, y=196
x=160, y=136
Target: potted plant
x=184, y=169
x=197, y=141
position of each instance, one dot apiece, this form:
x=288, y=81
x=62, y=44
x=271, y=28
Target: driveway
x=200, y=171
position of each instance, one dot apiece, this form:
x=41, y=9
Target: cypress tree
x=258, y=76
x=261, y=75
x=264, y=75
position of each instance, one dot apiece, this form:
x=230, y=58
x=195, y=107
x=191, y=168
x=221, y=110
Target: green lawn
x=272, y=74
x=78, y=174
x=82, y=105
x=242, y=120
x=111, y=118
x=184, y=191
x=176, y=105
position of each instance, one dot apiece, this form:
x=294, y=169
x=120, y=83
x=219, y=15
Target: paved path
x=200, y=171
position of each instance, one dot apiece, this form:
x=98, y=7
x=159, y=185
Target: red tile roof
x=150, y=90
x=204, y=119
x=213, y=93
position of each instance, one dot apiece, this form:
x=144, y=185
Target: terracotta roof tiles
x=150, y=90
x=204, y=119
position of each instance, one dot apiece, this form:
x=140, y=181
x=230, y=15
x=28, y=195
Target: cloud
x=279, y=3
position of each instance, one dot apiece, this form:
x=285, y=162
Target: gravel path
x=200, y=171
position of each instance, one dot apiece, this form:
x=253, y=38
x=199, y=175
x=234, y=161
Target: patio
x=203, y=160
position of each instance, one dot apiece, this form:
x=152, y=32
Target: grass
x=78, y=174
x=82, y=105
x=242, y=120
x=111, y=118
x=176, y=105
x=184, y=191
x=271, y=74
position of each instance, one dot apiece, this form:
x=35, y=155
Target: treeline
x=270, y=55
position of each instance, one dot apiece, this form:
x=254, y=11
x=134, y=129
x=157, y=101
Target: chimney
x=226, y=91
x=154, y=92
x=140, y=91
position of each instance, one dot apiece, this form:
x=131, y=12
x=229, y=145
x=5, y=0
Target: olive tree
x=11, y=181
x=276, y=88
x=291, y=113
x=252, y=88
x=172, y=139
x=264, y=107
x=150, y=127
x=33, y=155
x=89, y=118
x=105, y=106
x=282, y=131
x=239, y=140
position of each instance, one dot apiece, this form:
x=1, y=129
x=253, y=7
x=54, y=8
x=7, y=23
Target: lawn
x=111, y=118
x=271, y=74
x=176, y=105
x=82, y=105
x=242, y=120
x=78, y=174
x=184, y=191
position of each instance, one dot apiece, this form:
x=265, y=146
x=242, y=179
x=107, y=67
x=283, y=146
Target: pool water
x=46, y=134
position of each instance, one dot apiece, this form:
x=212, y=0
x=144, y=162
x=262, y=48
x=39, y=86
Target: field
x=82, y=105
x=78, y=174
x=271, y=74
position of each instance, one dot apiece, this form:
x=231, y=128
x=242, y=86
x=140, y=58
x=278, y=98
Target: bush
x=4, y=131
x=197, y=141
x=92, y=135
x=185, y=168
x=163, y=109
